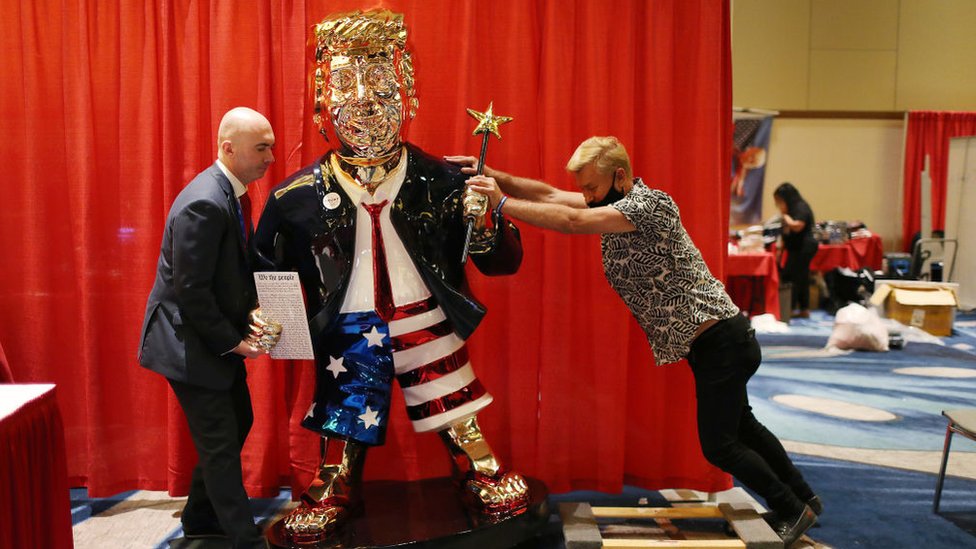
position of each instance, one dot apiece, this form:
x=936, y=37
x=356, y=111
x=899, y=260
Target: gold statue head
x=363, y=82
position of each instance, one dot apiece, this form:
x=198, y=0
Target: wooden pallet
x=581, y=530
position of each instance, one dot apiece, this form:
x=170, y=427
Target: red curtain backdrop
x=6, y=376
x=108, y=109
x=928, y=134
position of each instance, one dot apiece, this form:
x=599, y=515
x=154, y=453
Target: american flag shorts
x=358, y=359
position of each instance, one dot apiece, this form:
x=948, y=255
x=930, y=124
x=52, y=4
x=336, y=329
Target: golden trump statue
x=376, y=230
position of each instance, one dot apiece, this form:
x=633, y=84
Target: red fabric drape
x=6, y=376
x=110, y=108
x=928, y=134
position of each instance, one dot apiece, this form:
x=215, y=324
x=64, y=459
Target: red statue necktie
x=382, y=291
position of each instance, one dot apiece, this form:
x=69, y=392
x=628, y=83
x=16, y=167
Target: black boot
x=791, y=530
x=814, y=503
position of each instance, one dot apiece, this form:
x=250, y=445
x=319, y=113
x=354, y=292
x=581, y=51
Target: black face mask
x=612, y=195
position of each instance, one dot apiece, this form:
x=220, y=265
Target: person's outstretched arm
x=557, y=217
x=521, y=187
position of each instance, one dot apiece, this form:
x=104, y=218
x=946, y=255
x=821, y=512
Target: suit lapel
x=233, y=207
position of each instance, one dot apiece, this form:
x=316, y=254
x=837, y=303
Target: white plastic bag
x=856, y=327
x=767, y=324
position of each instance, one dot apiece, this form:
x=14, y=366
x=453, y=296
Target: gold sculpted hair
x=374, y=31
x=608, y=153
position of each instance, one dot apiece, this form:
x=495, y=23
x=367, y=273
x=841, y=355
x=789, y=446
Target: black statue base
x=426, y=514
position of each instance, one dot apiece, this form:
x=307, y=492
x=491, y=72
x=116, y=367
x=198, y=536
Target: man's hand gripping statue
x=375, y=229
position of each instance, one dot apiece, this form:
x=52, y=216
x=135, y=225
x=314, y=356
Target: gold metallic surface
x=303, y=181
x=488, y=121
x=331, y=499
x=369, y=173
x=265, y=331
x=363, y=81
x=368, y=162
x=502, y=496
x=468, y=447
x=475, y=206
x=358, y=30
x=485, y=487
x=475, y=203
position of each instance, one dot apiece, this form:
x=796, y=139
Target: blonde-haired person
x=652, y=263
x=607, y=153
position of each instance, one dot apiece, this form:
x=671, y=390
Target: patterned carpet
x=866, y=429
x=145, y=519
x=883, y=401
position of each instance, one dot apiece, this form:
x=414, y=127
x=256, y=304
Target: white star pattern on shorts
x=369, y=418
x=335, y=366
x=311, y=410
x=374, y=337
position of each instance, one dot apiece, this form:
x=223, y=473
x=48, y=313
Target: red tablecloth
x=753, y=282
x=35, y=506
x=853, y=254
x=868, y=251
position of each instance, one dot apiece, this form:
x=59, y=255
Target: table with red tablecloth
x=35, y=506
x=753, y=278
x=753, y=282
x=853, y=254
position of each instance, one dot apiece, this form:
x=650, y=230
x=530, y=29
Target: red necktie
x=245, y=200
x=382, y=291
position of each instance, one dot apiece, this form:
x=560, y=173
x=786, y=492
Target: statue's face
x=365, y=103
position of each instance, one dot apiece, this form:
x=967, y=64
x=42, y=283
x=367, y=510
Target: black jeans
x=723, y=358
x=797, y=272
x=219, y=422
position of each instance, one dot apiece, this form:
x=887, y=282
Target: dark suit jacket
x=298, y=232
x=204, y=289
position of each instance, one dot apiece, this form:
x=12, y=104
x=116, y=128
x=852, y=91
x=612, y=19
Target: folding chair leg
x=942, y=470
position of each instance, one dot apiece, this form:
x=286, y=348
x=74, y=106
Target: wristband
x=498, y=208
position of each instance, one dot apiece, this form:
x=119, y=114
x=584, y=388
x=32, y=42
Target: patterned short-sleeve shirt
x=660, y=274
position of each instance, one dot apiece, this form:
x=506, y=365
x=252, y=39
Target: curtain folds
x=36, y=511
x=110, y=108
x=928, y=134
x=6, y=376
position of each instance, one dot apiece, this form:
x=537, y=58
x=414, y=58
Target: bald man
x=196, y=330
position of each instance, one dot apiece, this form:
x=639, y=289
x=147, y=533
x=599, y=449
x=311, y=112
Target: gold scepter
x=475, y=203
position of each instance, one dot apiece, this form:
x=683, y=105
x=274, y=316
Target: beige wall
x=846, y=169
x=862, y=55
x=850, y=55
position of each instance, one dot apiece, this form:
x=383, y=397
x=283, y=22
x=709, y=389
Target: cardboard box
x=930, y=306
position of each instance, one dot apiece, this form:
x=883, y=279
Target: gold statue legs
x=333, y=497
x=485, y=487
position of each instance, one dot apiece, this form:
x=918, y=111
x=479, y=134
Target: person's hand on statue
x=486, y=186
x=469, y=165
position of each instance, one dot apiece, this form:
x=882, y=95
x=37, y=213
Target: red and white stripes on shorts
x=432, y=367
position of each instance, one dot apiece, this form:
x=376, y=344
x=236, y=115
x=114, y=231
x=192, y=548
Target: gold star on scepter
x=487, y=121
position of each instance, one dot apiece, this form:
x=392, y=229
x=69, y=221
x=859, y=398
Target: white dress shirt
x=405, y=282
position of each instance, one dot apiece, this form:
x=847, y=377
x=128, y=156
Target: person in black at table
x=800, y=245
